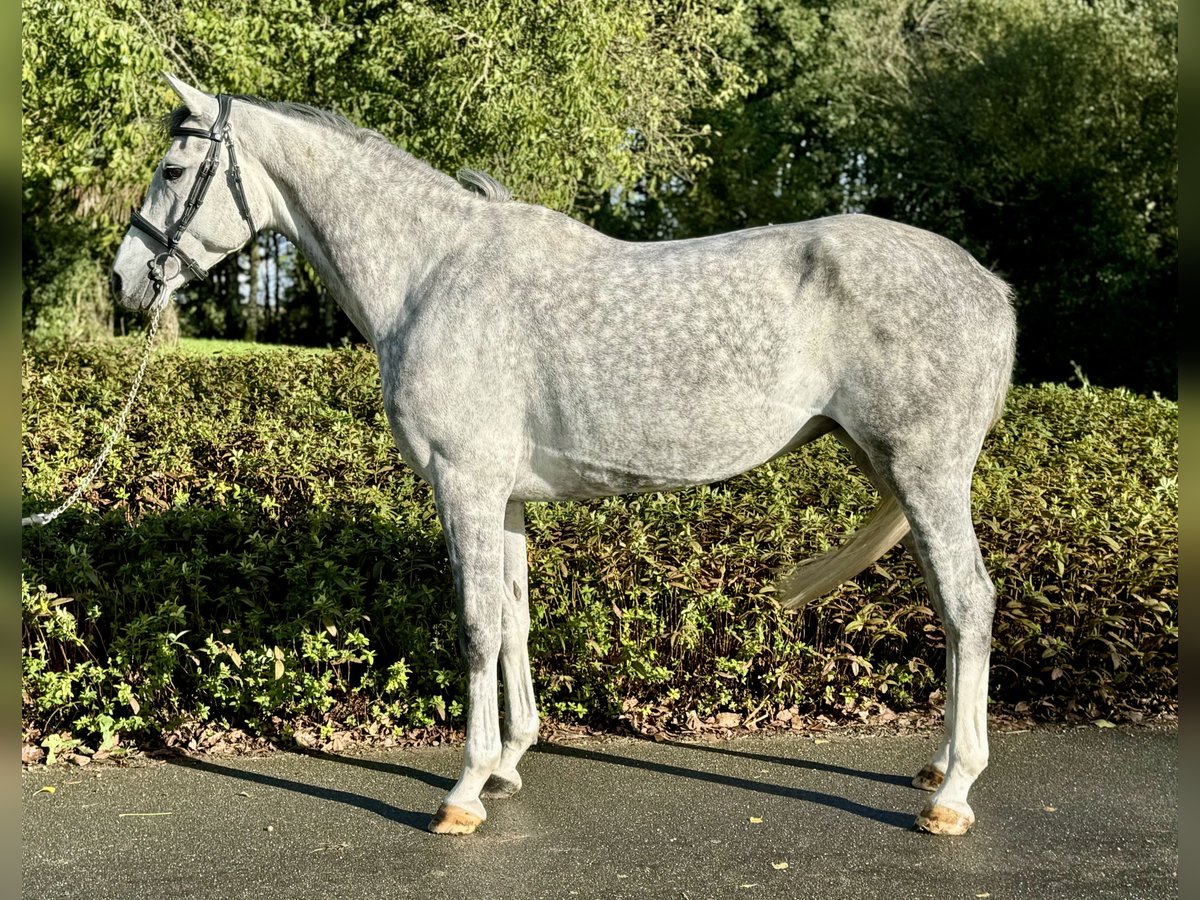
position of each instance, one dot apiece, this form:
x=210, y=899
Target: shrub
x=255, y=552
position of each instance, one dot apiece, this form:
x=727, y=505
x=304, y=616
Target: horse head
x=183, y=228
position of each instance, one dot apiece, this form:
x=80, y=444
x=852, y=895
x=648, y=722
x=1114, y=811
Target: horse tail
x=1009, y=357
x=887, y=525
x=884, y=528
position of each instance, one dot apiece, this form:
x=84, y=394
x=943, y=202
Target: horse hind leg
x=931, y=776
x=928, y=470
x=520, y=701
x=953, y=566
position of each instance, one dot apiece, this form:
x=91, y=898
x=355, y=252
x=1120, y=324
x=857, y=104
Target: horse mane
x=484, y=184
x=473, y=181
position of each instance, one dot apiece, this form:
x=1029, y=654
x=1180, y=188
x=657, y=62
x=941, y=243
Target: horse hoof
x=928, y=779
x=938, y=819
x=453, y=820
x=500, y=786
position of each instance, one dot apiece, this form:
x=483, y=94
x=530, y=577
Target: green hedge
x=255, y=554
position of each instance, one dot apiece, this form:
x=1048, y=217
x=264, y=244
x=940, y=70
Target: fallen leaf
x=779, y=865
x=821, y=741
x=1103, y=723
x=755, y=820
x=748, y=885
x=1050, y=809
x=983, y=894
x=49, y=789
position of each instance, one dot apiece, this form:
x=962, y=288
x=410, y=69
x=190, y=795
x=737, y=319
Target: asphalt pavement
x=1061, y=813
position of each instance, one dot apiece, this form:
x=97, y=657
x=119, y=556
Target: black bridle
x=169, y=241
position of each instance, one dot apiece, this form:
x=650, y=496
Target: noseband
x=217, y=135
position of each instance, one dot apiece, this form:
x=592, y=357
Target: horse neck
x=371, y=219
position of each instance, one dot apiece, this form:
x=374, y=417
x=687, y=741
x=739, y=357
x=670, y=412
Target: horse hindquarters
x=919, y=441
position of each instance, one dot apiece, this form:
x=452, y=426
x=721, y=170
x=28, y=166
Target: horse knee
x=479, y=645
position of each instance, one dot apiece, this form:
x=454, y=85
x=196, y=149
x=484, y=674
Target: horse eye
x=172, y=172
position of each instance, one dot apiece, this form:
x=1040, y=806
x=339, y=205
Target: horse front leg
x=520, y=702
x=472, y=518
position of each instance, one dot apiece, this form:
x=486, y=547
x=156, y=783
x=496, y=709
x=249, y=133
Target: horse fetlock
x=968, y=767
x=523, y=732
x=501, y=784
x=929, y=778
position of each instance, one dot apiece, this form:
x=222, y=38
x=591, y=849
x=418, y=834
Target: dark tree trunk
x=252, y=309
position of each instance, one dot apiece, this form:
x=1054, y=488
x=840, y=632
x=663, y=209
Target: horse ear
x=199, y=104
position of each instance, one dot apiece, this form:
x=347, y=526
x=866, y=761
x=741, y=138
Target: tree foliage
x=555, y=98
x=88, y=94
x=1041, y=134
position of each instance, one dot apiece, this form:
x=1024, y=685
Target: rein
x=47, y=518
x=218, y=135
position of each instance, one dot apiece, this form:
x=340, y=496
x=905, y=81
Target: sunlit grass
x=189, y=346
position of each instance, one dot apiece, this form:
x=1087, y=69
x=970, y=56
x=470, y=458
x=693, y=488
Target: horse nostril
x=116, y=282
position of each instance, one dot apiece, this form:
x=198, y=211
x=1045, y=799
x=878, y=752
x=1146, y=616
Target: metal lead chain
x=47, y=518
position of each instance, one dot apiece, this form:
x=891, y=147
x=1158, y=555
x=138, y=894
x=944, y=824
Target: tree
x=1041, y=134
x=558, y=100
x=776, y=153
x=88, y=96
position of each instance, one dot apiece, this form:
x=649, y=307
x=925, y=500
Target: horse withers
x=526, y=357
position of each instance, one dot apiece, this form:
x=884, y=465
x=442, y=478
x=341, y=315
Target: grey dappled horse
x=526, y=357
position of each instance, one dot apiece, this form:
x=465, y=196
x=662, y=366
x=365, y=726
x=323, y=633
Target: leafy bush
x=256, y=554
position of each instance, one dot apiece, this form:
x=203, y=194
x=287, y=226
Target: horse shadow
x=261, y=570
x=842, y=804
x=419, y=820
x=407, y=817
